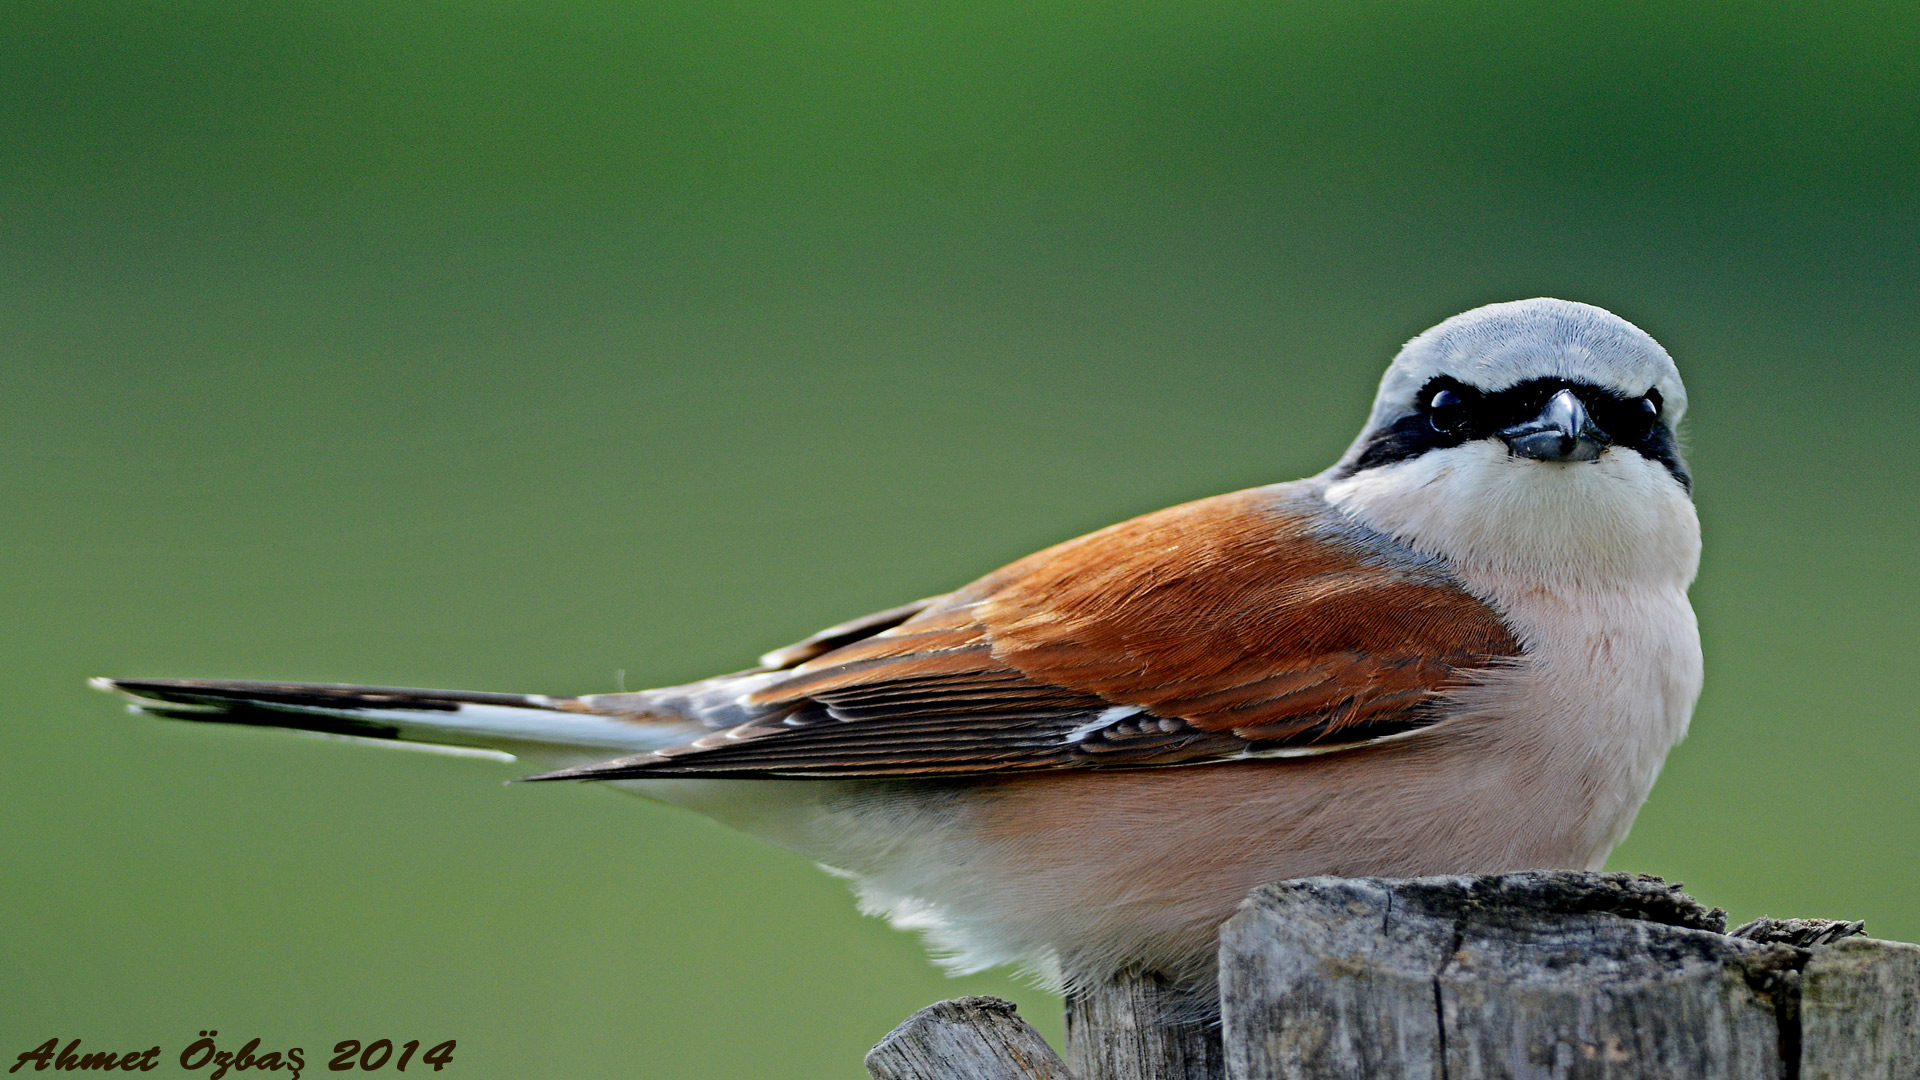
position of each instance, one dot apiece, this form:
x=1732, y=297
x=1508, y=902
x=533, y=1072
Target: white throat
x=1589, y=563
x=1619, y=522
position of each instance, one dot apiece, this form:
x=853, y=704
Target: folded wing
x=1256, y=624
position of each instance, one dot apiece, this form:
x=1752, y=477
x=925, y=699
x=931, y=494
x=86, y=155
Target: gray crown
x=1500, y=345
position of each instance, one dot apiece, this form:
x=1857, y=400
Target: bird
x=1465, y=647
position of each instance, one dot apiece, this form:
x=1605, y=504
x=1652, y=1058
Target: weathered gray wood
x=1557, y=975
x=1860, y=1011
x=1141, y=1027
x=1560, y=975
x=1803, y=933
x=1325, y=978
x=970, y=1038
x=1599, y=995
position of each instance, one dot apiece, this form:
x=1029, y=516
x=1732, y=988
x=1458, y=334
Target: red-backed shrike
x=1464, y=648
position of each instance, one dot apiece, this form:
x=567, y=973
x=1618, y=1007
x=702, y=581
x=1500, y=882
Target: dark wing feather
x=1247, y=625
x=846, y=633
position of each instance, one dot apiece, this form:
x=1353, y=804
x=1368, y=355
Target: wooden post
x=1603, y=976
x=973, y=1038
x=1141, y=1027
x=1549, y=975
x=1860, y=1011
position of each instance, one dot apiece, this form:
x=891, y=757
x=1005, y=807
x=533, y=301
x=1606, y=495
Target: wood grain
x=1546, y=975
x=1561, y=975
x=1860, y=1012
x=971, y=1038
x=1139, y=1026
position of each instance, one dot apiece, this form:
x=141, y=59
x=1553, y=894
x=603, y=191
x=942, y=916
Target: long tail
x=498, y=725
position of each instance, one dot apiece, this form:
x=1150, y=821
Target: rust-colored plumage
x=1465, y=648
x=1243, y=625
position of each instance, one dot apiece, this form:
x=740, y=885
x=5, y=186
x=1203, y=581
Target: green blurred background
x=510, y=346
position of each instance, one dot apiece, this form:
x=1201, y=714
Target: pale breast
x=1072, y=873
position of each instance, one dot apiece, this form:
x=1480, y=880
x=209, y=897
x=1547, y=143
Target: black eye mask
x=1450, y=413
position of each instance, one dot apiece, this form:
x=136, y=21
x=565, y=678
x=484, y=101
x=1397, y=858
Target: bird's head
x=1538, y=437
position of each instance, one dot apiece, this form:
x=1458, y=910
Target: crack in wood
x=1534, y=976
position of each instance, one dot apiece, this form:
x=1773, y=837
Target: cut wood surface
x=972, y=1038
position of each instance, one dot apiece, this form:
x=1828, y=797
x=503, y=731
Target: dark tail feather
x=507, y=723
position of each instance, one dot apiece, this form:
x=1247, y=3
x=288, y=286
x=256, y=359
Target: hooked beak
x=1562, y=432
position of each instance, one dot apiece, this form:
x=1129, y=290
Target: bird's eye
x=1446, y=411
x=1650, y=406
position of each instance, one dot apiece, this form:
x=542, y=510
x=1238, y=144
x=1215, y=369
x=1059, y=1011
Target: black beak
x=1562, y=432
